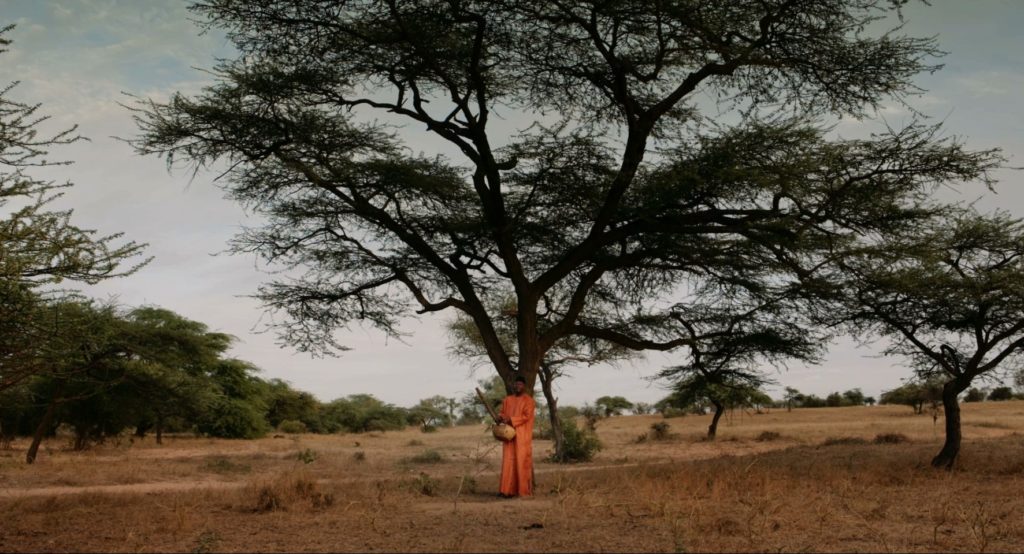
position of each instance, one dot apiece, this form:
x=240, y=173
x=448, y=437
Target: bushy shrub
x=232, y=418
x=660, y=431
x=767, y=436
x=426, y=457
x=670, y=412
x=285, y=492
x=579, y=445
x=292, y=426
x=974, y=394
x=1001, y=393
x=307, y=456
x=425, y=485
x=890, y=438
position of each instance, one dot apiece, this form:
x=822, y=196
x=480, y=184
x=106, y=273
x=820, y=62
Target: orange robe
x=517, y=454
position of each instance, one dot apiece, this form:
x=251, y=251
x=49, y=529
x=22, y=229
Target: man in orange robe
x=517, y=410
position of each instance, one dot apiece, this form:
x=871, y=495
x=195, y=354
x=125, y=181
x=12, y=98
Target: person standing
x=517, y=410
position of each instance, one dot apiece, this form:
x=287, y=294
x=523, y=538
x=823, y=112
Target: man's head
x=519, y=385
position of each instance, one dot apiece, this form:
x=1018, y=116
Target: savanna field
x=827, y=479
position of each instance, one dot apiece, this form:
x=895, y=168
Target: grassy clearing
x=770, y=483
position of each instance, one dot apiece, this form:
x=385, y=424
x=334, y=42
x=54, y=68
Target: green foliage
x=613, y=405
x=643, y=408
x=696, y=392
x=40, y=246
x=580, y=444
x=432, y=412
x=234, y=418
x=471, y=410
x=287, y=404
x=360, y=413
x=591, y=415
x=542, y=423
x=974, y=394
x=426, y=485
x=660, y=431
x=812, y=401
x=852, y=397
x=947, y=296
x=1001, y=393
x=915, y=394
x=307, y=456
x=292, y=426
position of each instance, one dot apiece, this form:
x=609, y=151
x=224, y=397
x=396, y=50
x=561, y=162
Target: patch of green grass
x=425, y=457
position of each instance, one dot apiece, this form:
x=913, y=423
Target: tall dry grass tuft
x=295, y=490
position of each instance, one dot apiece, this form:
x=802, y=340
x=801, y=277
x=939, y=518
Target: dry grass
x=743, y=492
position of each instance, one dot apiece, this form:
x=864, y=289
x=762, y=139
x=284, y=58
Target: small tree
x=916, y=394
x=430, y=413
x=643, y=408
x=613, y=405
x=948, y=295
x=360, y=413
x=717, y=390
x=792, y=397
x=727, y=342
x=854, y=397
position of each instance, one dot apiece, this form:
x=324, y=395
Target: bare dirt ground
x=806, y=480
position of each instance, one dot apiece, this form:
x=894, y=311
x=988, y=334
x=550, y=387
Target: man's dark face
x=519, y=387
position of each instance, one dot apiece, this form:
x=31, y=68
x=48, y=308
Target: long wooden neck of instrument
x=487, y=405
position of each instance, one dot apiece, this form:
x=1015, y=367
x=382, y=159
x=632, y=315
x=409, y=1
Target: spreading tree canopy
x=949, y=296
x=660, y=147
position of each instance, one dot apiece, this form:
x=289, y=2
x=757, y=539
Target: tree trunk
x=530, y=356
x=947, y=456
x=159, y=430
x=557, y=436
x=713, y=428
x=7, y=432
x=37, y=439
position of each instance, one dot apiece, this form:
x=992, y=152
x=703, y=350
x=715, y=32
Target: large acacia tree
x=949, y=297
x=660, y=146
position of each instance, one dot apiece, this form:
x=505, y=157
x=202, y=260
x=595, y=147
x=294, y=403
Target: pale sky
x=78, y=57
